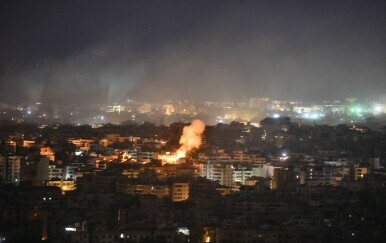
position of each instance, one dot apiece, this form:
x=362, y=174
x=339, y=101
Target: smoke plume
x=191, y=137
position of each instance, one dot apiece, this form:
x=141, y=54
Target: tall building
x=281, y=178
x=55, y=172
x=64, y=185
x=42, y=170
x=10, y=169
x=180, y=192
x=241, y=173
x=70, y=170
x=357, y=173
x=316, y=176
x=223, y=173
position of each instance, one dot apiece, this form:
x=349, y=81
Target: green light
x=356, y=110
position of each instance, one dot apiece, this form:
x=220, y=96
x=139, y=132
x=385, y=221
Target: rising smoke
x=176, y=50
x=191, y=137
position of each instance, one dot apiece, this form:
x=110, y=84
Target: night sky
x=108, y=51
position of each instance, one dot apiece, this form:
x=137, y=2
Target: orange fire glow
x=191, y=137
x=180, y=154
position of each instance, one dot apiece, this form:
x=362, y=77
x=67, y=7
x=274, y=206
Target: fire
x=180, y=154
x=168, y=158
x=191, y=137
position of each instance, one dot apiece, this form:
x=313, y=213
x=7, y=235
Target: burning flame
x=180, y=154
x=191, y=137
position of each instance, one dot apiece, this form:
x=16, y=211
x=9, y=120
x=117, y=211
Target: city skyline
x=192, y=121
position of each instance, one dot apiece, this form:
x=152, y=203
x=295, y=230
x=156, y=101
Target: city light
x=184, y=230
x=192, y=121
x=357, y=110
x=377, y=109
x=314, y=116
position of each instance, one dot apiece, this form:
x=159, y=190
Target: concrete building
x=357, y=173
x=48, y=152
x=82, y=144
x=115, y=108
x=55, y=171
x=223, y=173
x=10, y=169
x=142, y=156
x=42, y=170
x=70, y=170
x=241, y=173
x=316, y=176
x=180, y=192
x=158, y=190
x=282, y=177
x=64, y=185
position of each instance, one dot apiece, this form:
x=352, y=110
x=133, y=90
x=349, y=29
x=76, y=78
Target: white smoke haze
x=235, y=50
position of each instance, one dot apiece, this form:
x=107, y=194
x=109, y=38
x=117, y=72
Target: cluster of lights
x=184, y=230
x=284, y=156
x=377, y=109
x=312, y=115
x=70, y=229
x=122, y=236
x=359, y=110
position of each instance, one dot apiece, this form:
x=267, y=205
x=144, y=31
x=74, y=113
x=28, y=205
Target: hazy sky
x=108, y=51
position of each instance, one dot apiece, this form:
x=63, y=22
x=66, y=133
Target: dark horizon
x=217, y=50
